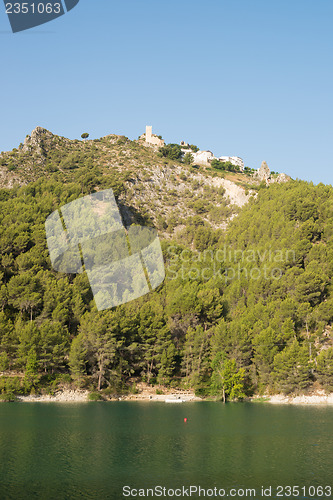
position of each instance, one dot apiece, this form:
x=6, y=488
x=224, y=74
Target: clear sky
x=250, y=78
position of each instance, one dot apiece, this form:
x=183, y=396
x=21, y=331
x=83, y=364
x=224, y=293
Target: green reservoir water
x=92, y=450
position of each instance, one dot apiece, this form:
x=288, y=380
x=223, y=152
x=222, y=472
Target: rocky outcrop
x=113, y=138
x=263, y=173
x=8, y=180
x=282, y=178
x=34, y=140
x=235, y=194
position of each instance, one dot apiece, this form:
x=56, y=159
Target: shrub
x=95, y=396
x=8, y=397
x=200, y=207
x=171, y=151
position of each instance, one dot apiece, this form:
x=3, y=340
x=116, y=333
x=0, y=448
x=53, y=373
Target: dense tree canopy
x=242, y=312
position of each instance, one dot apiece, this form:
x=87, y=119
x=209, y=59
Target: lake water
x=92, y=450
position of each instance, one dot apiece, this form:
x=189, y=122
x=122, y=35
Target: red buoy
x=185, y=420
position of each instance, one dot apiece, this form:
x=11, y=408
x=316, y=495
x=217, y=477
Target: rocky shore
x=147, y=393
x=318, y=398
x=144, y=393
x=64, y=396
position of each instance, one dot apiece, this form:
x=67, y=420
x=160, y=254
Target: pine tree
x=101, y=344
x=226, y=380
x=292, y=369
x=77, y=358
x=324, y=368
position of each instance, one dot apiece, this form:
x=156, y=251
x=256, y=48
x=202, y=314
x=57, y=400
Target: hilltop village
x=199, y=157
x=207, y=158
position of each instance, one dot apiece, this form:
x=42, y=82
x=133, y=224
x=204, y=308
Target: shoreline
x=82, y=396
x=62, y=396
x=176, y=396
x=319, y=398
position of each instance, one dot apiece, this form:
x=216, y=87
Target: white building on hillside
x=235, y=160
x=204, y=157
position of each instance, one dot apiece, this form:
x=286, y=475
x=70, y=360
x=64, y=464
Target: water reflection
x=91, y=450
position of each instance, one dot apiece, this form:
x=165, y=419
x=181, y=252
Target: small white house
x=203, y=157
x=235, y=160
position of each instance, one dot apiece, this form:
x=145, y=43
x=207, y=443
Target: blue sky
x=246, y=78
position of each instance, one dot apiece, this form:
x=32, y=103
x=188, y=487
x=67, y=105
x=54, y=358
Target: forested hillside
x=246, y=306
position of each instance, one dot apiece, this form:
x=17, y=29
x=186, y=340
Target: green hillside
x=247, y=303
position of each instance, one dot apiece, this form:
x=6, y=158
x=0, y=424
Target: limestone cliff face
x=38, y=135
x=9, y=180
x=169, y=177
x=282, y=178
x=263, y=174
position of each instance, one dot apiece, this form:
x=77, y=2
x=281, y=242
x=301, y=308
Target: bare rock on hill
x=282, y=178
x=263, y=173
x=38, y=135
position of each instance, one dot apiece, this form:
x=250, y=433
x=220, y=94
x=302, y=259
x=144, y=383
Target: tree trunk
x=100, y=376
x=148, y=373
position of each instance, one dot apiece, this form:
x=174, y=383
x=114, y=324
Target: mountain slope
x=153, y=186
x=246, y=306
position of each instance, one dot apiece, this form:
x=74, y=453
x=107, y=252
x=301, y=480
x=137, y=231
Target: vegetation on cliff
x=246, y=306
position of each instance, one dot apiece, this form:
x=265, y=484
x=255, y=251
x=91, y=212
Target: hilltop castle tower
x=152, y=138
